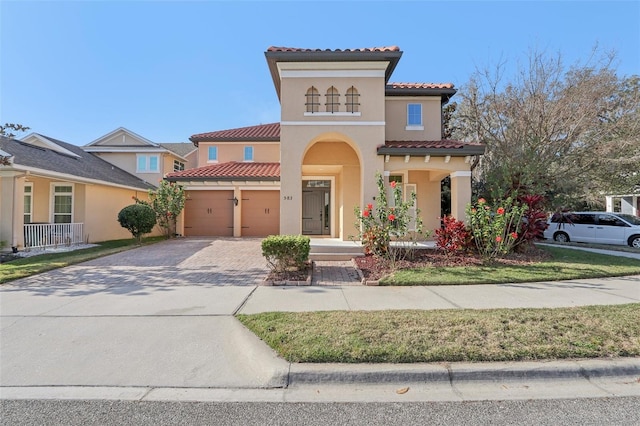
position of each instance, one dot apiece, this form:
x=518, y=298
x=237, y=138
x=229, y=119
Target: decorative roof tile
x=442, y=147
x=420, y=85
x=230, y=170
x=365, y=49
x=262, y=132
x=445, y=143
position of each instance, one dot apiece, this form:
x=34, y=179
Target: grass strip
x=564, y=264
x=32, y=265
x=450, y=335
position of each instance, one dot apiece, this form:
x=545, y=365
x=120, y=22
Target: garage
x=260, y=213
x=208, y=214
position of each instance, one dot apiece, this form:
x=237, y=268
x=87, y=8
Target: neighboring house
x=341, y=122
x=55, y=193
x=628, y=204
x=139, y=156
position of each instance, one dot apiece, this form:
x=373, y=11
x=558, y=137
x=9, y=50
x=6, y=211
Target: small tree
x=167, y=202
x=137, y=219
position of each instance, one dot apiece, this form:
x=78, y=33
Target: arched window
x=313, y=99
x=352, y=99
x=332, y=97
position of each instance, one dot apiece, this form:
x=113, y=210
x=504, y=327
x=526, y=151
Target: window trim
x=30, y=194
x=147, y=163
x=353, y=94
x=414, y=126
x=54, y=185
x=312, y=100
x=244, y=154
x=179, y=164
x=332, y=100
x=209, y=159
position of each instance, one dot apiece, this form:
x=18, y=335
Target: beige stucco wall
x=102, y=205
x=96, y=206
x=127, y=162
x=396, y=118
x=192, y=160
x=263, y=152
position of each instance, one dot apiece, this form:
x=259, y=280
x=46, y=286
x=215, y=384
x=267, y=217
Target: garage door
x=208, y=214
x=260, y=213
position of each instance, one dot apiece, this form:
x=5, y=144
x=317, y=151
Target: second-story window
x=212, y=154
x=332, y=99
x=147, y=163
x=248, y=153
x=178, y=166
x=312, y=100
x=414, y=115
x=353, y=98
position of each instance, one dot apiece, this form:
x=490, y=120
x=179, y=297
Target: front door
x=315, y=207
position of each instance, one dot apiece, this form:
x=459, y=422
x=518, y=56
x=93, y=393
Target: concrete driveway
x=159, y=315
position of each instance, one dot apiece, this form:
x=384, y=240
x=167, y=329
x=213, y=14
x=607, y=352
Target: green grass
x=563, y=264
x=32, y=265
x=450, y=335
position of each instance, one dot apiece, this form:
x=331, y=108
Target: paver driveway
x=206, y=261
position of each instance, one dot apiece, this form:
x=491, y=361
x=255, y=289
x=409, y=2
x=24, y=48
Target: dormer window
x=313, y=100
x=352, y=99
x=332, y=99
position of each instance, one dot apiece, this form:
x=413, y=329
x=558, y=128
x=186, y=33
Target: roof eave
x=455, y=152
x=444, y=93
x=273, y=57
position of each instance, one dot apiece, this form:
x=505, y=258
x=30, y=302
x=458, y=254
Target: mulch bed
x=373, y=268
x=291, y=275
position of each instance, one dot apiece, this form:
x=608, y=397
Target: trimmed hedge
x=284, y=252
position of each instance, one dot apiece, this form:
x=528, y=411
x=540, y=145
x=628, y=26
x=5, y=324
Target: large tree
x=550, y=128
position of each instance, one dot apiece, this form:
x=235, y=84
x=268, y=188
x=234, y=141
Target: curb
x=462, y=372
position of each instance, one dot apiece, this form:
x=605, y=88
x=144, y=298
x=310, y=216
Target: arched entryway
x=330, y=187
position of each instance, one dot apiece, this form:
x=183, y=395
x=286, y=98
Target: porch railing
x=44, y=235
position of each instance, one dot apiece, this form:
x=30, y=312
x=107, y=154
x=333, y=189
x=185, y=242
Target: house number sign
x=287, y=197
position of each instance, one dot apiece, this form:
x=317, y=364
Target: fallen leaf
x=402, y=390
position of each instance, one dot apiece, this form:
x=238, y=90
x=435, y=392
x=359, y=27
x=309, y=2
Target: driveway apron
x=159, y=315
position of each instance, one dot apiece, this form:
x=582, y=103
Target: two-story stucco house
x=341, y=123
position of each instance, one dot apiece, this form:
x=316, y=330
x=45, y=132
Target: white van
x=595, y=227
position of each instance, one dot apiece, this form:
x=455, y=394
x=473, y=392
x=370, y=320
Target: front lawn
x=450, y=335
x=561, y=264
x=32, y=265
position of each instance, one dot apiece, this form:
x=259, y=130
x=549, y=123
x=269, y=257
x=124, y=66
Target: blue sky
x=166, y=70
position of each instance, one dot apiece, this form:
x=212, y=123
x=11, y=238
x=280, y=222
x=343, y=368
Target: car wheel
x=561, y=237
x=634, y=241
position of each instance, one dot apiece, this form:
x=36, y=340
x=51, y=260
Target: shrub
x=495, y=231
x=137, y=219
x=534, y=220
x=378, y=225
x=284, y=252
x=167, y=202
x=453, y=236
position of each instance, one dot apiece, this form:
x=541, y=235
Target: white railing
x=43, y=235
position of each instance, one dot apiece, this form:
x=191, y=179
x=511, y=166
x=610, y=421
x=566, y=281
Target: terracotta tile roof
x=428, y=144
x=365, y=49
x=444, y=147
x=229, y=171
x=262, y=132
x=420, y=85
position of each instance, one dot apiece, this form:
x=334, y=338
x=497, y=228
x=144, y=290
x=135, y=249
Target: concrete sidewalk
x=554, y=294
